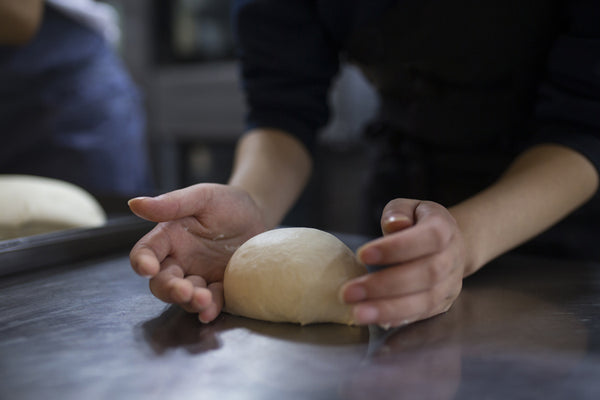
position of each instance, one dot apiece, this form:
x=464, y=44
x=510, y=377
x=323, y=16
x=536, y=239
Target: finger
x=201, y=296
x=147, y=254
x=144, y=261
x=432, y=233
x=214, y=309
x=400, y=280
x=397, y=215
x=169, y=206
x=398, y=311
x=170, y=286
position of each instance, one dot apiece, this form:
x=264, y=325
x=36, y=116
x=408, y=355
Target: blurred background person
x=68, y=108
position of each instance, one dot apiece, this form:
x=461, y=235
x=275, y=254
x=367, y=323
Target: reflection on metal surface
x=175, y=328
x=523, y=328
x=501, y=339
x=287, y=358
x=488, y=331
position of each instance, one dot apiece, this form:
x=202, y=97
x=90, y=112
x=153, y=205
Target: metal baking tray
x=61, y=247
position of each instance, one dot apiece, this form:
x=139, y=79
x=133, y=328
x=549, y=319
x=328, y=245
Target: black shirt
x=290, y=52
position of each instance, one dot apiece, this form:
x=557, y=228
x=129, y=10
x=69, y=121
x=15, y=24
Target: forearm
x=273, y=167
x=542, y=186
x=19, y=20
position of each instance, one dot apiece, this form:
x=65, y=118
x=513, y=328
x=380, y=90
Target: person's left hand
x=424, y=252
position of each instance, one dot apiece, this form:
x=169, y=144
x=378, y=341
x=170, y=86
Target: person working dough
x=488, y=135
x=68, y=108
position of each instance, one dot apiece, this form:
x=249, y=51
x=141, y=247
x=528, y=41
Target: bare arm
x=273, y=167
x=431, y=249
x=19, y=20
x=541, y=187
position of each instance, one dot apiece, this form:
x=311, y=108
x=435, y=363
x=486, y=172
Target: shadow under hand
x=272, y=360
x=175, y=329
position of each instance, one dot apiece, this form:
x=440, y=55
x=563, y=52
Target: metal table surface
x=523, y=328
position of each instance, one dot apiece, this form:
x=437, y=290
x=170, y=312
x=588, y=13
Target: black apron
x=457, y=83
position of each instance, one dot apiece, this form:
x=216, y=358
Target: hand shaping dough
x=291, y=275
x=31, y=205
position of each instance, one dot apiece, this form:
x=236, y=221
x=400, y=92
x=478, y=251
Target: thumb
x=398, y=214
x=169, y=206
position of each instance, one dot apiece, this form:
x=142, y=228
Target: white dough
x=31, y=205
x=291, y=275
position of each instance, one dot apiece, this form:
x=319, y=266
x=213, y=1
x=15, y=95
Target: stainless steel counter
x=523, y=328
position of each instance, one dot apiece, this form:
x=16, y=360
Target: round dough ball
x=291, y=275
x=31, y=205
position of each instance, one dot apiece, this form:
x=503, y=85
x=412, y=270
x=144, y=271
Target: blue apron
x=68, y=110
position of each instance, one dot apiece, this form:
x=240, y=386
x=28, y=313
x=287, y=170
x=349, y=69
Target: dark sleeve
x=568, y=111
x=287, y=65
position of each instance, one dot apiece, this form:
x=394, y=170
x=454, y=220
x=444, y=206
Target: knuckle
x=438, y=232
x=437, y=271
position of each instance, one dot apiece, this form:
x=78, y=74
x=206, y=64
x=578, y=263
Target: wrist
x=273, y=168
x=266, y=217
x=473, y=245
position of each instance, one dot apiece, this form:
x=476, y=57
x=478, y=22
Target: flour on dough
x=291, y=275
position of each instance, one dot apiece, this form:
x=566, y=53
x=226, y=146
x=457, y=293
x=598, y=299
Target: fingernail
x=370, y=255
x=397, y=218
x=137, y=198
x=364, y=314
x=355, y=294
x=395, y=223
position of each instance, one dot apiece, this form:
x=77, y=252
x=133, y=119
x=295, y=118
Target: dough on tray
x=31, y=205
x=291, y=275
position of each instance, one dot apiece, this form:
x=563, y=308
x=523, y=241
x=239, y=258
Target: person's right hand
x=185, y=255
